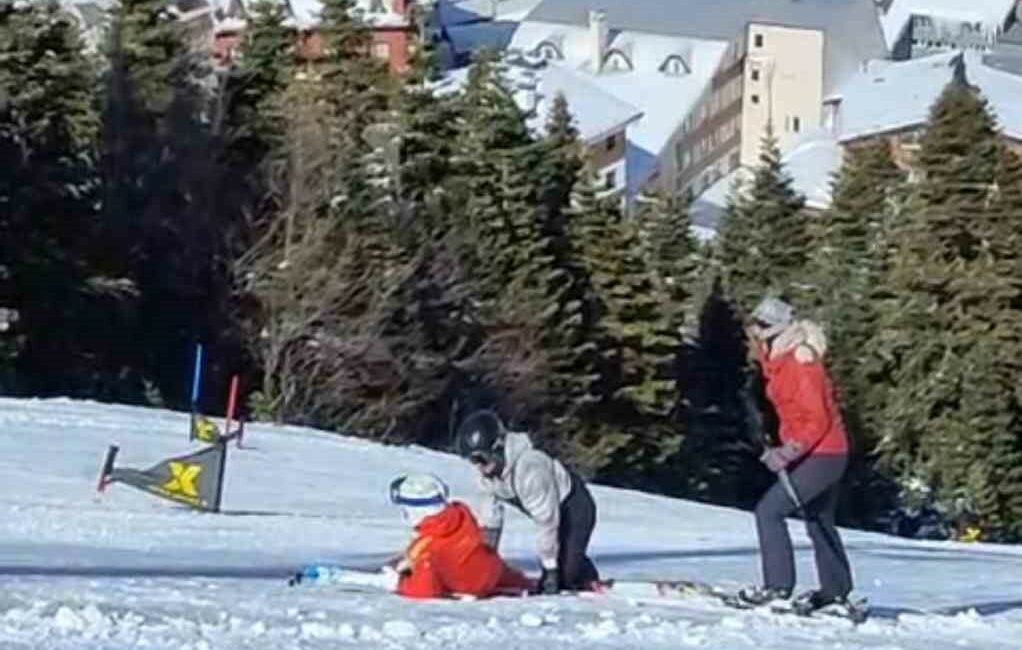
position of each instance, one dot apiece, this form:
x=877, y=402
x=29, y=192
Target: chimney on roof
x=883, y=5
x=598, y=33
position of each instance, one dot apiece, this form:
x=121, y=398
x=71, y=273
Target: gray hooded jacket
x=534, y=482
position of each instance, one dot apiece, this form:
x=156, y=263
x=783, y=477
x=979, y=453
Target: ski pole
x=789, y=487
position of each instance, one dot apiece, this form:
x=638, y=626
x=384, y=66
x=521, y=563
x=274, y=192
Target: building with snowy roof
x=707, y=76
x=464, y=27
x=394, y=25
x=888, y=100
x=915, y=28
x=1006, y=55
x=602, y=119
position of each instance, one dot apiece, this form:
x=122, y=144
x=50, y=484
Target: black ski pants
x=578, y=518
x=816, y=480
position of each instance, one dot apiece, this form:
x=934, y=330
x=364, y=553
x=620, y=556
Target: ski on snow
x=637, y=590
x=656, y=590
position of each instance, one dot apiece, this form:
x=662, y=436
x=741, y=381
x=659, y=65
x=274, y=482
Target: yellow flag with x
x=182, y=479
x=194, y=480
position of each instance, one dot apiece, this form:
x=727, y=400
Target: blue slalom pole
x=197, y=375
x=196, y=380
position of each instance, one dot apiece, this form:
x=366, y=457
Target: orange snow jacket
x=801, y=392
x=448, y=556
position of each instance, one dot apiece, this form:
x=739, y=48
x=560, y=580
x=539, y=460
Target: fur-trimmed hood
x=804, y=338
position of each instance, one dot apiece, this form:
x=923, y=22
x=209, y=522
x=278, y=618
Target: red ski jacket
x=801, y=392
x=448, y=556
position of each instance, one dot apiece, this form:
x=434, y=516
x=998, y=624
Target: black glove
x=550, y=582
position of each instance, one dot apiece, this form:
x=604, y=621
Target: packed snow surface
x=126, y=570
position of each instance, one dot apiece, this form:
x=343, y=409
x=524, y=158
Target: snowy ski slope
x=126, y=570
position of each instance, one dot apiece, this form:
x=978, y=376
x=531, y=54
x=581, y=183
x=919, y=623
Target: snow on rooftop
x=664, y=99
x=596, y=113
x=851, y=29
x=306, y=13
x=1002, y=89
x=893, y=95
x=229, y=25
x=990, y=13
x=811, y=165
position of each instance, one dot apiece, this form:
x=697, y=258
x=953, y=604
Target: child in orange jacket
x=448, y=555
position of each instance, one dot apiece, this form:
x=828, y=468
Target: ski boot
x=816, y=601
x=750, y=597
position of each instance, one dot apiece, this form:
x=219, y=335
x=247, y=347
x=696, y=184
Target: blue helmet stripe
x=435, y=500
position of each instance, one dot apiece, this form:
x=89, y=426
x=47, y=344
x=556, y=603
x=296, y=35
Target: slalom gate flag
x=204, y=429
x=195, y=480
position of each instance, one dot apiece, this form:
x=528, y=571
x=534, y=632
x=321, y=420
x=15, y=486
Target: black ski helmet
x=481, y=437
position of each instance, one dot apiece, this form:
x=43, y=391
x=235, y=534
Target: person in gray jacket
x=557, y=500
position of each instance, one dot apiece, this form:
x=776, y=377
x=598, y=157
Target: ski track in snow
x=126, y=570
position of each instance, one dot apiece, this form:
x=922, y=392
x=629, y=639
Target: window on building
x=381, y=50
x=616, y=61
x=754, y=99
x=754, y=75
x=796, y=124
x=611, y=142
x=548, y=51
x=675, y=66
x=610, y=180
x=758, y=40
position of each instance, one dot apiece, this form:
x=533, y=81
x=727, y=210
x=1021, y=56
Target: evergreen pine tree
x=672, y=252
x=159, y=185
x=568, y=318
x=48, y=188
x=764, y=236
x=846, y=265
x=558, y=169
x=718, y=461
x=251, y=98
x=953, y=318
x=356, y=89
x=636, y=339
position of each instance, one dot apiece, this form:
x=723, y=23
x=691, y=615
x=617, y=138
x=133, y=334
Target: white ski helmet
x=419, y=495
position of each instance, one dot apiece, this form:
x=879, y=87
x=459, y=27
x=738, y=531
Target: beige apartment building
x=708, y=82
x=771, y=75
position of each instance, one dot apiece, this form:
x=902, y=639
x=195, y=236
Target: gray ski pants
x=816, y=480
x=578, y=518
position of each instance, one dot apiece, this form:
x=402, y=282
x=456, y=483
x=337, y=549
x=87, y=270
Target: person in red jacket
x=813, y=449
x=448, y=556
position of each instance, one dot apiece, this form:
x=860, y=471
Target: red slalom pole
x=232, y=399
x=108, y=466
